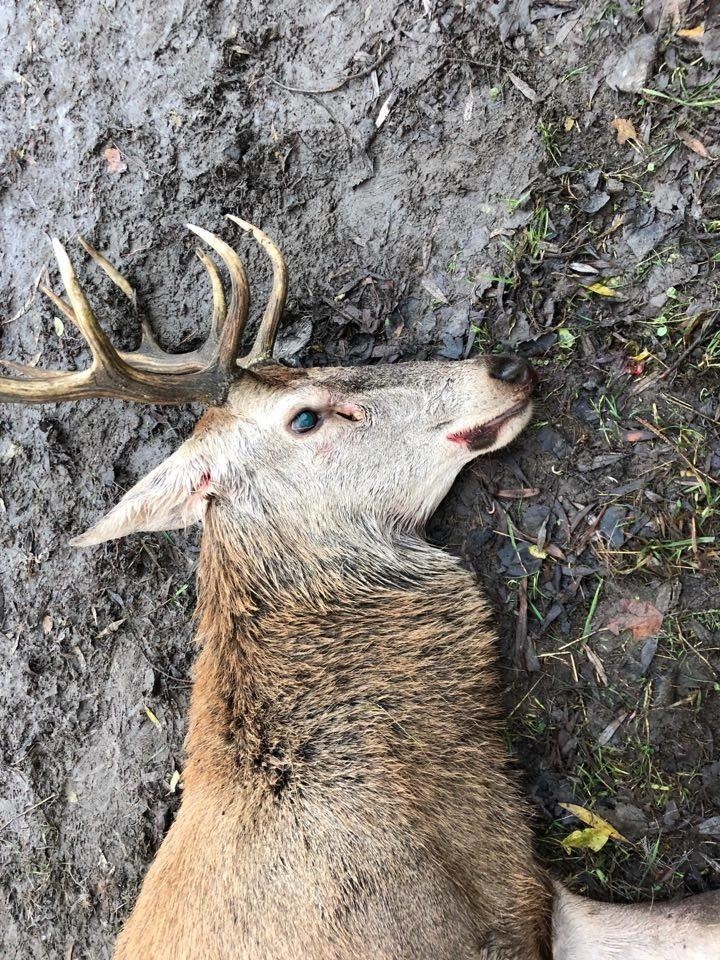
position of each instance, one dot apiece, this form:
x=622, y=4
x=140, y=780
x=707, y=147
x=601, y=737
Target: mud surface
x=467, y=193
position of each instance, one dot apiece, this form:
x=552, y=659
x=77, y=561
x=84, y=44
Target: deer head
x=307, y=447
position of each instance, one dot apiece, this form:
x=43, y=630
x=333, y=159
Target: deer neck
x=291, y=622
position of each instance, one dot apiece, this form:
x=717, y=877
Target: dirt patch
x=464, y=190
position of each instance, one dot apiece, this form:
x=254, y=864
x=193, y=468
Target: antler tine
x=149, y=347
x=27, y=371
x=104, y=354
x=232, y=329
x=42, y=386
x=219, y=313
x=111, y=271
x=58, y=302
x=267, y=331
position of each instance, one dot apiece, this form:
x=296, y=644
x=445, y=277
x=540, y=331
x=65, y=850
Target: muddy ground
x=457, y=187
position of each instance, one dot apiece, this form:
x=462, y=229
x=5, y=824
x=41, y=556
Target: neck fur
x=292, y=624
x=347, y=686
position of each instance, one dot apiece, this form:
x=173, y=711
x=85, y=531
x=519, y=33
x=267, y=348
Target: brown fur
x=346, y=791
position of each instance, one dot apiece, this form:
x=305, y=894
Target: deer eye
x=304, y=421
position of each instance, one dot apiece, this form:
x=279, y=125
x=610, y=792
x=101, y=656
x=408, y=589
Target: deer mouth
x=487, y=434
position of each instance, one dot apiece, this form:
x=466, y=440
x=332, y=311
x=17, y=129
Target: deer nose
x=511, y=370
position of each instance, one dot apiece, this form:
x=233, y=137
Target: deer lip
x=485, y=434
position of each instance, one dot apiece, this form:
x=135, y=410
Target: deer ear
x=172, y=496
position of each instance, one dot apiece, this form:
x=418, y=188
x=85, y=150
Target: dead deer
x=347, y=791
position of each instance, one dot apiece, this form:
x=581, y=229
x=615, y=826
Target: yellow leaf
x=569, y=124
x=591, y=838
x=694, y=33
x=592, y=820
x=601, y=290
x=152, y=718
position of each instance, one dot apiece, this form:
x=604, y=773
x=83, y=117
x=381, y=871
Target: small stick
x=340, y=84
x=24, y=813
x=521, y=623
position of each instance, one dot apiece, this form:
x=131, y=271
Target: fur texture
x=686, y=930
x=346, y=791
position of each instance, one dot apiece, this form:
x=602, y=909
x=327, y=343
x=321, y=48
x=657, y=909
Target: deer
x=347, y=791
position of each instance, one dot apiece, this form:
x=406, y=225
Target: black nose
x=511, y=370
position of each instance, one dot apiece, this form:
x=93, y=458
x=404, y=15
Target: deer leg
x=587, y=930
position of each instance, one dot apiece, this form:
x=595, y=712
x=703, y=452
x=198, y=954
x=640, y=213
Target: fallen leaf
x=593, y=820
x=597, y=664
x=582, y=268
x=647, y=654
x=525, y=89
x=643, y=618
x=624, y=130
x=693, y=33
x=611, y=729
x=569, y=124
x=8, y=450
x=660, y=13
x=114, y=160
x=635, y=368
x=629, y=71
x=591, y=838
x=152, y=718
x=385, y=109
x=601, y=290
x=555, y=551
x=710, y=827
x=692, y=143
x=468, y=110
x=111, y=628
x=566, y=338
x=434, y=290
x=518, y=493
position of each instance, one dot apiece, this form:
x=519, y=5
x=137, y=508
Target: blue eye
x=304, y=421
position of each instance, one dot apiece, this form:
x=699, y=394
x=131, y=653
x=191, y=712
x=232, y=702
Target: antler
x=149, y=374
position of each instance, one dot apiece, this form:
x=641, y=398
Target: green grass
x=550, y=139
x=711, y=355
x=537, y=232
x=692, y=99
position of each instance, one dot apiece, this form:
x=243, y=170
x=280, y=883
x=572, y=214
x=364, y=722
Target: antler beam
x=149, y=374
